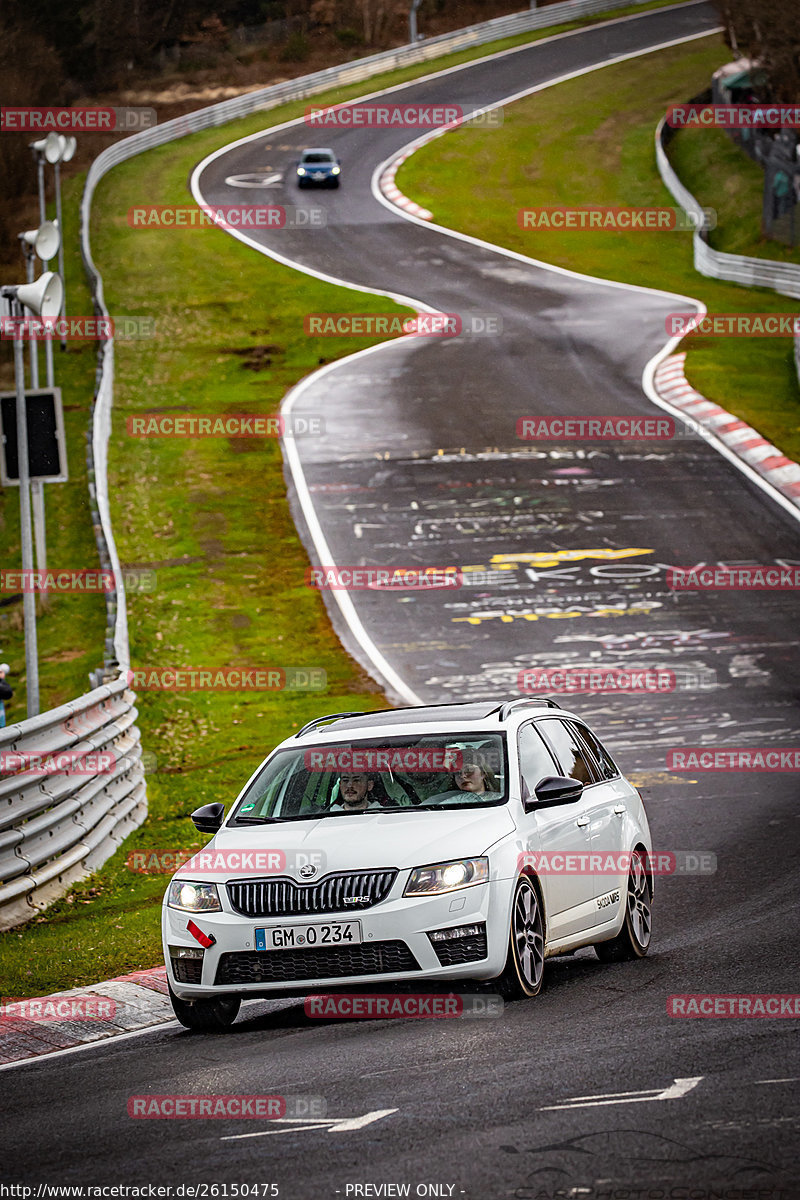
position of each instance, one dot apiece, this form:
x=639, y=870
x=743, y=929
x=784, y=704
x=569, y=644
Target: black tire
x=206, y=1016
x=633, y=940
x=524, y=970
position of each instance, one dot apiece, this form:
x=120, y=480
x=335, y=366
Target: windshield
x=318, y=157
x=379, y=775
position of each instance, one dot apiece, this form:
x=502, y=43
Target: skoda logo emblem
x=307, y=871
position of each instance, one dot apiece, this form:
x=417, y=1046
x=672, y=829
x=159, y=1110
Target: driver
x=355, y=793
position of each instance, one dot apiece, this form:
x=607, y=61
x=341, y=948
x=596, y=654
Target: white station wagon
x=454, y=843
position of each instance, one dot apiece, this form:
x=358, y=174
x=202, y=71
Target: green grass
x=210, y=517
x=555, y=148
x=722, y=177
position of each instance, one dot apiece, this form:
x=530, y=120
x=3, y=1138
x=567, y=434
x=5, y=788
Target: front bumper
x=395, y=946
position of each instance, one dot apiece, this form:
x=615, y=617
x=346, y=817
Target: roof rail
x=506, y=709
x=328, y=717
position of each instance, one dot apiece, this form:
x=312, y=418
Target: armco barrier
x=57, y=828
x=780, y=277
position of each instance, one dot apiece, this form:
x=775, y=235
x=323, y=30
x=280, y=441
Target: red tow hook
x=205, y=939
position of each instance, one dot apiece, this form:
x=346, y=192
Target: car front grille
x=462, y=949
x=350, y=892
x=288, y=966
x=187, y=970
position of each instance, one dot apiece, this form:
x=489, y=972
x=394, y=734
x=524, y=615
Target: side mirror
x=208, y=819
x=556, y=789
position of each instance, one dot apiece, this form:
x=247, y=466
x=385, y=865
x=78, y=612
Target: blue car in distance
x=319, y=167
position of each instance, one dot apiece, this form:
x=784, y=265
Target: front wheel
x=206, y=1016
x=633, y=940
x=524, y=969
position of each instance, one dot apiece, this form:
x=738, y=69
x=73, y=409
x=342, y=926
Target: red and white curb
x=139, y=1000
x=393, y=194
x=744, y=441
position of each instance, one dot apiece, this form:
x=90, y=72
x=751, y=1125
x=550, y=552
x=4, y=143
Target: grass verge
x=555, y=148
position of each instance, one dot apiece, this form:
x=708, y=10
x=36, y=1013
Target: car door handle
x=619, y=809
x=582, y=821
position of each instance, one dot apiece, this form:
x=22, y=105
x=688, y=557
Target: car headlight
x=301, y=170
x=447, y=876
x=193, y=897
x=335, y=170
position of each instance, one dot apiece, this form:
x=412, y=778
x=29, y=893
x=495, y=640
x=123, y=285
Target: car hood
x=358, y=841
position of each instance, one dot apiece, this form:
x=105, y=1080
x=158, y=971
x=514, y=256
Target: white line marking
x=674, y=1092
x=791, y=1079
x=335, y=1125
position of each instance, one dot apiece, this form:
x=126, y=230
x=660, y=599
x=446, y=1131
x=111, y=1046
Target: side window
x=608, y=768
x=535, y=760
x=574, y=761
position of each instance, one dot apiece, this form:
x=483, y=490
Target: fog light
x=186, y=952
x=460, y=931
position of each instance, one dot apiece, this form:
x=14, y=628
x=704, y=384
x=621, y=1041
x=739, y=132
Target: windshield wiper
x=258, y=820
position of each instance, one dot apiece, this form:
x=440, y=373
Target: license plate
x=307, y=937
x=319, y=175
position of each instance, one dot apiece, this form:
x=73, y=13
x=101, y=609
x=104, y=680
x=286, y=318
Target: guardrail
x=783, y=278
x=57, y=827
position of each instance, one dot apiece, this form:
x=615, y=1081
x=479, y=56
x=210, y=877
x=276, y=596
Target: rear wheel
x=524, y=969
x=206, y=1016
x=633, y=940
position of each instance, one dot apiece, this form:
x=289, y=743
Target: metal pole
x=28, y=595
x=37, y=498
x=48, y=345
x=40, y=177
x=412, y=21
x=57, y=172
x=34, y=347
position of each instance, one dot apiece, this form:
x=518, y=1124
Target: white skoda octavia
x=452, y=843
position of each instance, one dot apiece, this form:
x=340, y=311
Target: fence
x=56, y=827
x=783, y=278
